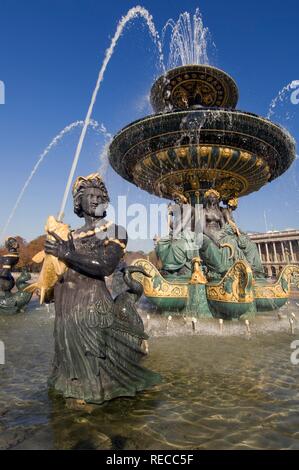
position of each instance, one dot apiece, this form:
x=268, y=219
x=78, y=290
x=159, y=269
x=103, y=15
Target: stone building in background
x=277, y=249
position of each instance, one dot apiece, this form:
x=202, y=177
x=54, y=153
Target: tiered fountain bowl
x=198, y=140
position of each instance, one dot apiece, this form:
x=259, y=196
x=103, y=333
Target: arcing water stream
x=58, y=138
x=188, y=44
x=280, y=97
x=132, y=14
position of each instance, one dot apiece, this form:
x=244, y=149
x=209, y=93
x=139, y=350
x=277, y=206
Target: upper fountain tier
x=199, y=141
x=193, y=85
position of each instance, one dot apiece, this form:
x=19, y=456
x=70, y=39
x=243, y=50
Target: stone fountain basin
x=234, y=151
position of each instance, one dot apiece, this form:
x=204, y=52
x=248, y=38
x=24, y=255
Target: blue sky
x=50, y=55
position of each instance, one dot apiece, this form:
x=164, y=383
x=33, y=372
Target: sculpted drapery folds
x=216, y=238
x=223, y=242
x=98, y=345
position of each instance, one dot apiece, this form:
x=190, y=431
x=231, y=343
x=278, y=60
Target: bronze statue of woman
x=98, y=345
x=223, y=243
x=248, y=247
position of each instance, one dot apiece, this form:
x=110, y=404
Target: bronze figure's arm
x=228, y=218
x=101, y=264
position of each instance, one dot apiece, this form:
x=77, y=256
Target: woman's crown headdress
x=82, y=180
x=212, y=192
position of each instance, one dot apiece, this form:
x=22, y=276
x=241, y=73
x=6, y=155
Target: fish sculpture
x=52, y=268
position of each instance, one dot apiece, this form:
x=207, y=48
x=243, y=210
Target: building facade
x=277, y=249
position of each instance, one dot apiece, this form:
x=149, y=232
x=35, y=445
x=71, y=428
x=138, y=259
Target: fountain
x=12, y=302
x=199, y=149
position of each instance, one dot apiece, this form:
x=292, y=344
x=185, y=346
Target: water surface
x=219, y=392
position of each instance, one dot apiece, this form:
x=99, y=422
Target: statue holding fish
x=99, y=342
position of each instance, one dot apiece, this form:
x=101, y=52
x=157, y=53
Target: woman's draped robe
x=97, y=349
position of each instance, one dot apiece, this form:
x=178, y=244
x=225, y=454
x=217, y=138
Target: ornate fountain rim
x=268, y=152
x=200, y=84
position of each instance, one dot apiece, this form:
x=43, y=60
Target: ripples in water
x=218, y=393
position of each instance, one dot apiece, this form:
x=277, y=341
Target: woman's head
x=212, y=196
x=90, y=196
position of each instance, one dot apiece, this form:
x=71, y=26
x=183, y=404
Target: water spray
x=281, y=316
x=70, y=127
x=189, y=40
x=168, y=322
x=248, y=327
x=281, y=96
x=291, y=321
x=132, y=14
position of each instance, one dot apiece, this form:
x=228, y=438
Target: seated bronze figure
x=223, y=242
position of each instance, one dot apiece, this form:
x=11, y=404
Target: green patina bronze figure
x=223, y=243
x=177, y=250
x=247, y=246
x=12, y=302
